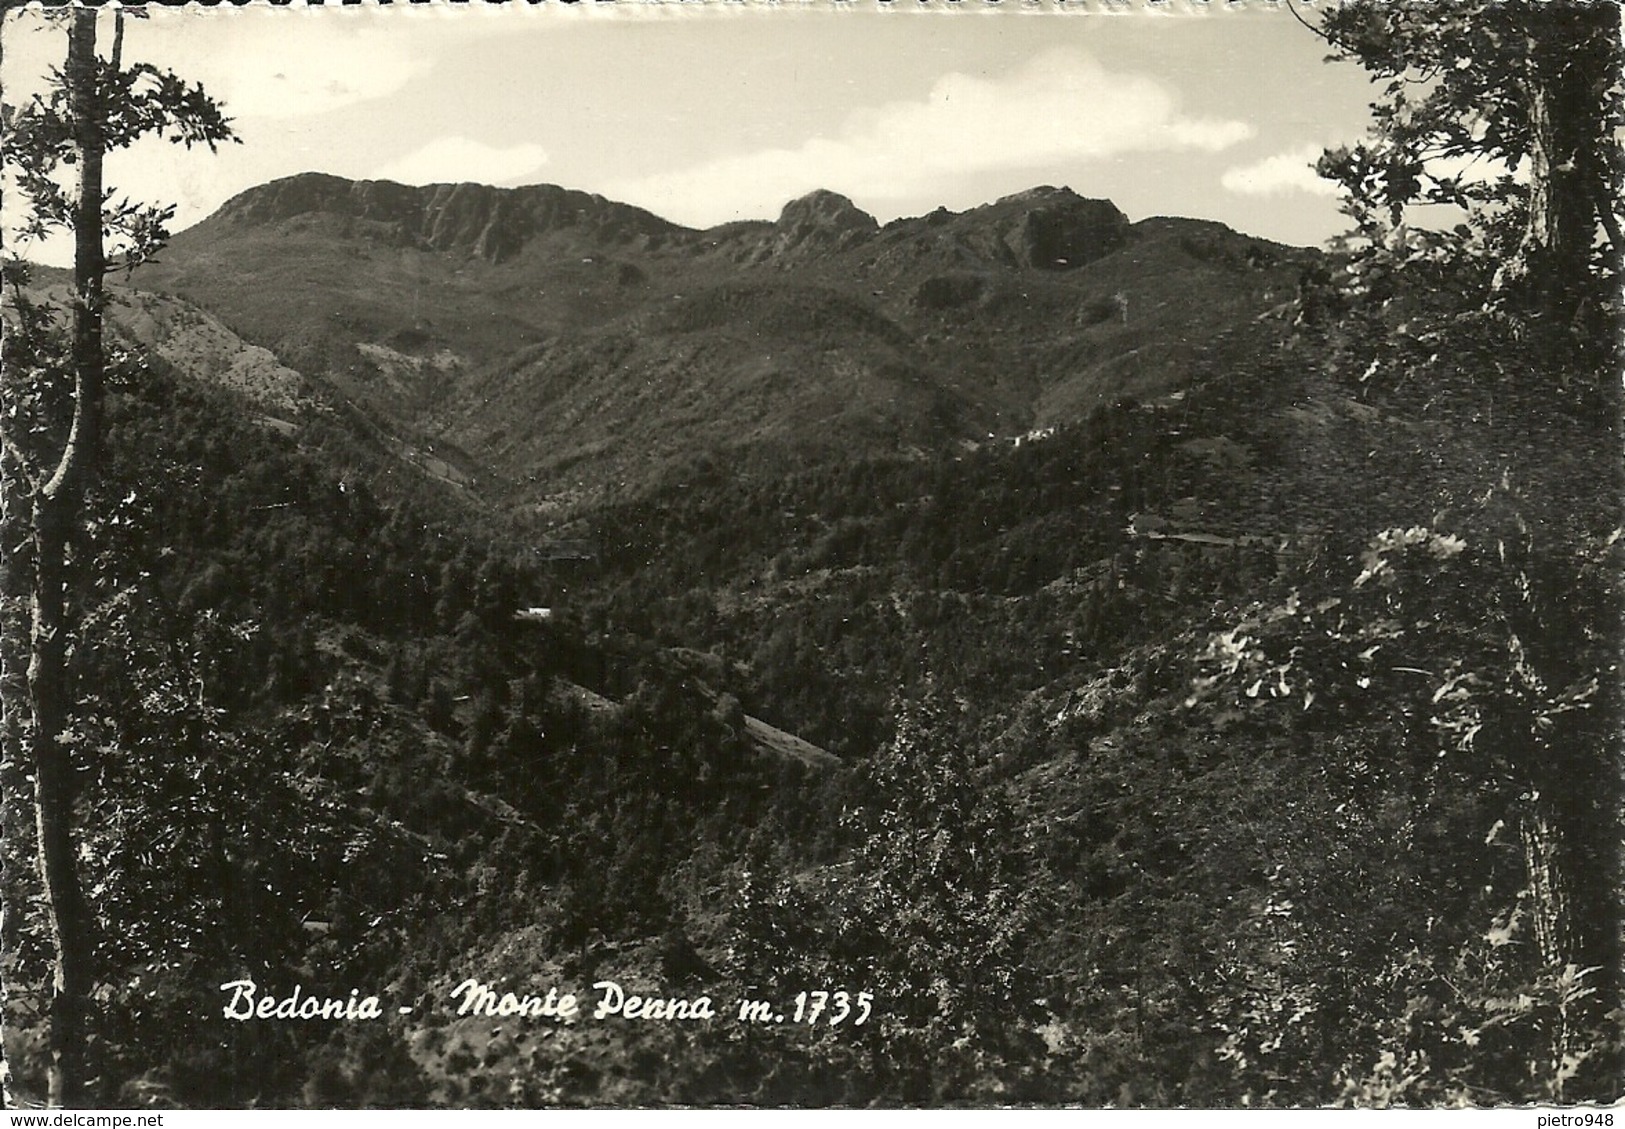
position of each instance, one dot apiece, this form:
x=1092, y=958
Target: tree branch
x=1321, y=34
x=1609, y=221
x=89, y=265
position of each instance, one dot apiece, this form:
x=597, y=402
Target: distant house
x=1033, y=436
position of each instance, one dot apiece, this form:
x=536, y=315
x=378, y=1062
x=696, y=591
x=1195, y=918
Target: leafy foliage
x=1251, y=746
x=43, y=135
x=1506, y=114
x=933, y=913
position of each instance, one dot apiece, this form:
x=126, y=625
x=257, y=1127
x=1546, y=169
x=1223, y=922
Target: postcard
x=856, y=554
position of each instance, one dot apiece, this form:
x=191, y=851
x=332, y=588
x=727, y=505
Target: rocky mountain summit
x=821, y=222
x=570, y=342
x=477, y=220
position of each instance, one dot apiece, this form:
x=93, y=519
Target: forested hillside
x=1160, y=728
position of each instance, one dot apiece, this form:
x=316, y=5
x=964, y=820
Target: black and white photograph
x=856, y=554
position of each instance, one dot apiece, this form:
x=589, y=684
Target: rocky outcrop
x=821, y=222
x=1068, y=232
x=1052, y=228
x=473, y=219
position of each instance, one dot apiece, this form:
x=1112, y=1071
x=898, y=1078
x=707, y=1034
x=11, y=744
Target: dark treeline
x=313, y=724
x=990, y=571
x=1156, y=789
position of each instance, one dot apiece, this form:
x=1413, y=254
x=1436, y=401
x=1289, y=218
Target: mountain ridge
x=480, y=220
x=460, y=313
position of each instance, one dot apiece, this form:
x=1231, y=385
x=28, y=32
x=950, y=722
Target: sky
x=709, y=112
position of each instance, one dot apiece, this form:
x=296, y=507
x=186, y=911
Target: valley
x=578, y=345
x=1060, y=628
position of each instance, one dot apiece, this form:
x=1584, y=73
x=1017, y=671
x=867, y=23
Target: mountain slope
x=473, y=314
x=1248, y=739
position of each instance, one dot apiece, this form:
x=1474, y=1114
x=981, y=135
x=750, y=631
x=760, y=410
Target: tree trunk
x=1564, y=80
x=53, y=800
x=56, y=506
x=15, y=585
x=14, y=589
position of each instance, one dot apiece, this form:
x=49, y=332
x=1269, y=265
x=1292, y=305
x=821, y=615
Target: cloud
x=264, y=62
x=454, y=159
x=289, y=65
x=1063, y=108
x=1292, y=171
